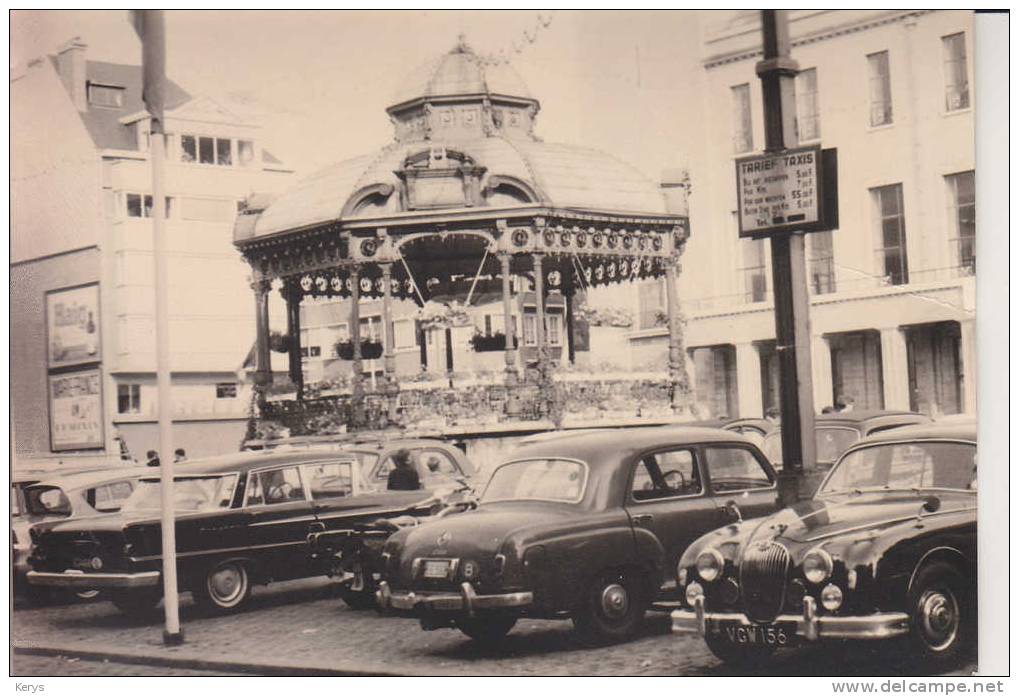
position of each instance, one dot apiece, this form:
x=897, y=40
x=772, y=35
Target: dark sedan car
x=587, y=527
x=241, y=519
x=886, y=548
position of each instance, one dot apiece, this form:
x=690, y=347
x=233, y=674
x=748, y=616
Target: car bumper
x=94, y=581
x=467, y=600
x=808, y=625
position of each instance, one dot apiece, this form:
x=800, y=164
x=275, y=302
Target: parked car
x=241, y=519
x=588, y=526
x=440, y=465
x=41, y=504
x=886, y=548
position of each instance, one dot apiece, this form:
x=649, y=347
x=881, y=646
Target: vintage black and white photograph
x=498, y=343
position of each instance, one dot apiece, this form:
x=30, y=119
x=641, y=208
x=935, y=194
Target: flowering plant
x=605, y=316
x=438, y=315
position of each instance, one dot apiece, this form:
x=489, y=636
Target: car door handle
x=643, y=520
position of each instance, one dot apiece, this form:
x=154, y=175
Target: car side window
x=666, y=475
x=437, y=462
x=735, y=469
x=277, y=486
x=109, y=497
x=329, y=479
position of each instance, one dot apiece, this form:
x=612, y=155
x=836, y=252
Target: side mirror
x=733, y=509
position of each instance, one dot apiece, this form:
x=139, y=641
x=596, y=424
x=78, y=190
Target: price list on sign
x=779, y=191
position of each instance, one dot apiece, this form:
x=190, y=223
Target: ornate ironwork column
x=679, y=380
x=509, y=327
x=539, y=308
x=392, y=388
x=356, y=378
x=292, y=294
x=263, y=360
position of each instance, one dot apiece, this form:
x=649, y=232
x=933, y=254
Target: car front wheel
x=225, y=587
x=941, y=617
x=613, y=608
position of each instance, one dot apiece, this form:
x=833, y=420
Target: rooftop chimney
x=71, y=68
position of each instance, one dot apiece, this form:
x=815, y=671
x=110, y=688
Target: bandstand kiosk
x=465, y=194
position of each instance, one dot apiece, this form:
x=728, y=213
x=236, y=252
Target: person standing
x=179, y=455
x=404, y=476
x=152, y=458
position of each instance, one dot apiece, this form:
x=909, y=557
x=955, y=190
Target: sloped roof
x=103, y=123
x=567, y=176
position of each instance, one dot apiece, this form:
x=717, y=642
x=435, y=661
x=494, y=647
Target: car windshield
x=189, y=494
x=905, y=465
x=829, y=443
x=557, y=480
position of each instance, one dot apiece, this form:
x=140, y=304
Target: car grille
x=763, y=579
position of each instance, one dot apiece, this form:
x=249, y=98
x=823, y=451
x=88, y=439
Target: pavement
x=300, y=628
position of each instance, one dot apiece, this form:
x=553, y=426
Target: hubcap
x=939, y=618
x=615, y=601
x=226, y=583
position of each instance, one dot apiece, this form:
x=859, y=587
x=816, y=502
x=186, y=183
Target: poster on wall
x=72, y=326
x=76, y=411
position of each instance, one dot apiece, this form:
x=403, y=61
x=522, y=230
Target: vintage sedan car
x=588, y=527
x=885, y=548
x=41, y=504
x=241, y=519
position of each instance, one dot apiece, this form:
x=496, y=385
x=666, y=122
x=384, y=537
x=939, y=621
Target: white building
x=892, y=289
x=80, y=202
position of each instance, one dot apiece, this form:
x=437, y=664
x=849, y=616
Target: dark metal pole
x=778, y=71
x=292, y=293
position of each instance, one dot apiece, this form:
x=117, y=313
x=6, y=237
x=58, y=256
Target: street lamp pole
x=777, y=71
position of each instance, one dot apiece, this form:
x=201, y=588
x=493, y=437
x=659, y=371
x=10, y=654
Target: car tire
x=613, y=608
x=486, y=630
x=941, y=616
x=224, y=587
x=739, y=655
x=136, y=602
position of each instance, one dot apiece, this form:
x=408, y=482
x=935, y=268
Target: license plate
x=436, y=569
x=755, y=634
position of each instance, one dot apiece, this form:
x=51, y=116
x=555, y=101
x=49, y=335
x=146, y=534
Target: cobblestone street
x=300, y=625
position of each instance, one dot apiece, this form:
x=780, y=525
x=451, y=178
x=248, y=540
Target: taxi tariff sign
x=780, y=192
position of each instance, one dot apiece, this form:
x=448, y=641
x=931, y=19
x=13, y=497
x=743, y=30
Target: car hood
x=481, y=531
x=817, y=519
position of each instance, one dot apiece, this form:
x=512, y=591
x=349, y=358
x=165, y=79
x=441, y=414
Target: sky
x=319, y=81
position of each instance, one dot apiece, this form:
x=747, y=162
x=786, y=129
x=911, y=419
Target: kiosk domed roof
x=460, y=73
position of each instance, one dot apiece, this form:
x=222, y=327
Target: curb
x=187, y=662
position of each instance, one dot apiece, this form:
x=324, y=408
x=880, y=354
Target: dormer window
x=222, y=152
x=109, y=96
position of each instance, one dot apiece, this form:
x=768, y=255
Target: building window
x=742, y=125
x=139, y=206
x=956, y=75
x=891, y=233
x=129, y=398
x=880, y=89
x=106, y=95
x=530, y=330
x=218, y=151
x=821, y=262
x=226, y=390
x=962, y=219
x=808, y=120
x=753, y=274
x=554, y=323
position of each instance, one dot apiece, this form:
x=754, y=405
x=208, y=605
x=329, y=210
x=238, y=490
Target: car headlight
x=710, y=565
x=831, y=597
x=693, y=591
x=817, y=566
